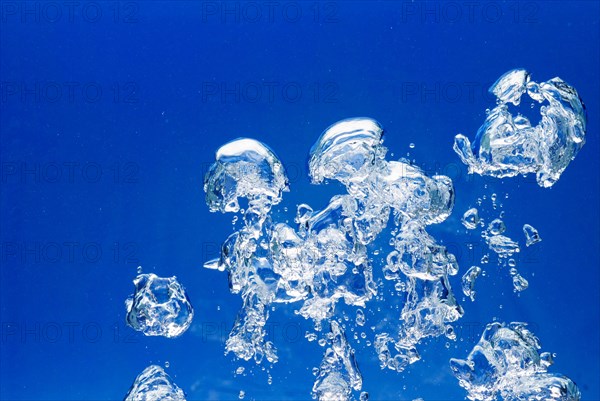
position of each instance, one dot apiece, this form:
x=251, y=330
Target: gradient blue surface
x=111, y=113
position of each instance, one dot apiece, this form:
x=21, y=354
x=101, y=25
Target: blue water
x=111, y=113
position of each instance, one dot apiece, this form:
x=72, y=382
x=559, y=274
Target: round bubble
x=244, y=168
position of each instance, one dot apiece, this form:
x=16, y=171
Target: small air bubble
x=360, y=317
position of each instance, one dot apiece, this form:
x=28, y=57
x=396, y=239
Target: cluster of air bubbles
x=494, y=235
x=159, y=306
x=507, y=145
x=325, y=258
x=506, y=363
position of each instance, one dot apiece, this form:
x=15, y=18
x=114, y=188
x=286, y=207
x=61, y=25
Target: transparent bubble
x=531, y=235
x=244, y=168
x=506, y=364
x=154, y=384
x=545, y=149
x=159, y=306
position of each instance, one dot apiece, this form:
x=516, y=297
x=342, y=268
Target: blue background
x=152, y=101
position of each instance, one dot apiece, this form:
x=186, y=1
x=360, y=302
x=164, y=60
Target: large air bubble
x=154, y=384
x=506, y=363
x=244, y=168
x=507, y=145
x=159, y=306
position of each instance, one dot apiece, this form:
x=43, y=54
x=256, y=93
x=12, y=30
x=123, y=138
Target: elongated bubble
x=503, y=245
x=338, y=373
x=468, y=281
x=519, y=282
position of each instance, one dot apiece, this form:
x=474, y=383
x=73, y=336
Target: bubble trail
x=338, y=373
